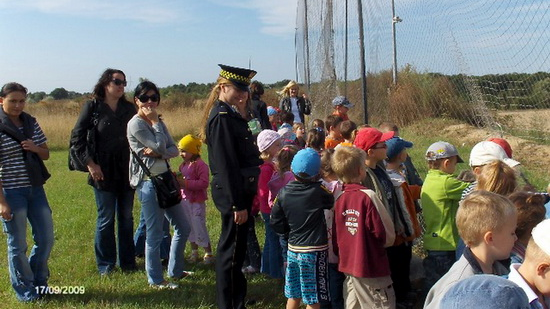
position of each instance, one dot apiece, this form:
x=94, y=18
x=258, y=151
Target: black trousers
x=400, y=266
x=230, y=281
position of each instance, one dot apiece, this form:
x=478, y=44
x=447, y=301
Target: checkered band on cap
x=233, y=76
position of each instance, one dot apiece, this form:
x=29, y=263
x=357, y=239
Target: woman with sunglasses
x=107, y=158
x=234, y=160
x=150, y=140
x=22, y=197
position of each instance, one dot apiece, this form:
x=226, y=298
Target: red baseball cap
x=368, y=137
x=504, y=144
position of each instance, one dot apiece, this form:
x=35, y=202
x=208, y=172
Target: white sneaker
x=249, y=270
x=208, y=259
x=165, y=285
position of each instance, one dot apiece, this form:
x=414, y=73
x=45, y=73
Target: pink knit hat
x=266, y=138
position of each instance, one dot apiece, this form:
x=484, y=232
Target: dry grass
x=57, y=118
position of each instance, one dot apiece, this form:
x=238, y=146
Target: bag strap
x=140, y=162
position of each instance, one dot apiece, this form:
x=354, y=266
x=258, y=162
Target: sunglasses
x=145, y=98
x=119, y=82
x=380, y=146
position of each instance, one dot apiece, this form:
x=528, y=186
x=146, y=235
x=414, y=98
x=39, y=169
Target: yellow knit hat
x=190, y=144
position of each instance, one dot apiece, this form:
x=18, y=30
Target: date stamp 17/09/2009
x=63, y=290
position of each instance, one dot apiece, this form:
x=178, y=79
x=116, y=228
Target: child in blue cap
x=298, y=215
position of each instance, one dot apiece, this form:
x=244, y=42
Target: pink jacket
x=196, y=179
x=266, y=172
x=276, y=184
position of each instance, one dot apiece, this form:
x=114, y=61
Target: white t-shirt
x=295, y=110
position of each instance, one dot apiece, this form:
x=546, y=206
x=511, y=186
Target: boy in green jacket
x=440, y=196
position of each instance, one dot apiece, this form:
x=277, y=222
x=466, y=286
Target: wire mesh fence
x=482, y=62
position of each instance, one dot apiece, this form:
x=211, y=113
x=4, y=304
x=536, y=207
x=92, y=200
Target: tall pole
x=395, y=20
x=306, y=32
x=362, y=58
x=296, y=51
x=346, y=53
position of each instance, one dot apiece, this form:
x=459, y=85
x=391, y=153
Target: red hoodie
x=359, y=235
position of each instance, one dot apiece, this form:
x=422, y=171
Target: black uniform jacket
x=298, y=212
x=233, y=157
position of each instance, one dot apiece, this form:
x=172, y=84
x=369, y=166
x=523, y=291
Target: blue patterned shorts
x=307, y=277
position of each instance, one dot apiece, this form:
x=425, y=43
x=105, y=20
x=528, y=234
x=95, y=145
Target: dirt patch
x=537, y=120
x=530, y=154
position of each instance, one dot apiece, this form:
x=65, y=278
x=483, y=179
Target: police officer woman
x=234, y=162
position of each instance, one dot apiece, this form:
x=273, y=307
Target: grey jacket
x=465, y=267
x=140, y=136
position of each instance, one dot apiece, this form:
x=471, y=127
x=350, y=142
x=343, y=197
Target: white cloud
x=278, y=17
x=139, y=10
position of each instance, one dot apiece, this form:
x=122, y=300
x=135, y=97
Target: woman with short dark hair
x=22, y=197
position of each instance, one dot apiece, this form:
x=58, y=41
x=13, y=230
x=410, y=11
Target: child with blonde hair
x=533, y=275
x=194, y=183
x=497, y=177
x=362, y=230
x=486, y=222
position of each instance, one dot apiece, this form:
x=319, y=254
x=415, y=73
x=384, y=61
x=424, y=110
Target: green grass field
x=72, y=262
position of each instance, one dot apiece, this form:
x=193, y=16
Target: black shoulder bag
x=166, y=185
x=77, y=160
x=38, y=173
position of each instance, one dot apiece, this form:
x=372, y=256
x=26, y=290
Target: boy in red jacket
x=362, y=228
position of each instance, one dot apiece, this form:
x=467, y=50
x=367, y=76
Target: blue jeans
x=108, y=204
x=154, y=218
x=436, y=265
x=28, y=203
x=141, y=235
x=272, y=257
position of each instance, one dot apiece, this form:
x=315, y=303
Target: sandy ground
x=528, y=119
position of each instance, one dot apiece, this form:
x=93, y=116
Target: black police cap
x=237, y=76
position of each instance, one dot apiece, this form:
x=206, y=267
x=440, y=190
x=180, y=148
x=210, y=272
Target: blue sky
x=61, y=43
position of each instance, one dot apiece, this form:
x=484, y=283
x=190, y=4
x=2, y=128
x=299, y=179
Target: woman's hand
x=241, y=216
x=95, y=171
x=151, y=113
x=148, y=152
x=304, y=96
x=42, y=150
x=5, y=211
x=29, y=145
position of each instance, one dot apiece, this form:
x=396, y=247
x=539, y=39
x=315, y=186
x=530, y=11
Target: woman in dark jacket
x=258, y=106
x=107, y=160
x=293, y=103
x=22, y=198
x=234, y=162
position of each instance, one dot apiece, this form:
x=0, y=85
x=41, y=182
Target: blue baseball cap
x=396, y=145
x=306, y=163
x=271, y=111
